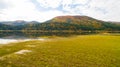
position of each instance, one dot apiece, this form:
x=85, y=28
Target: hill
x=75, y=23
x=66, y=23
x=18, y=22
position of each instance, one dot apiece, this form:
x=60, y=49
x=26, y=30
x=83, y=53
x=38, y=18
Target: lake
x=13, y=37
x=19, y=36
x=16, y=38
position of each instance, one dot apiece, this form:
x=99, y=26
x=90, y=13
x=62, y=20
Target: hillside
x=5, y=27
x=67, y=23
x=86, y=23
x=75, y=23
x=18, y=22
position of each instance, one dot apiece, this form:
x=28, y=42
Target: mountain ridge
x=18, y=22
x=69, y=23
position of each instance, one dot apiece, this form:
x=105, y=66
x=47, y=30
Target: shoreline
x=7, y=41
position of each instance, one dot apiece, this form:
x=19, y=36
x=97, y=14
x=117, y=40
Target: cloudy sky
x=42, y=10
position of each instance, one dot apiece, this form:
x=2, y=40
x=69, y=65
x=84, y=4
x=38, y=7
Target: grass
x=77, y=51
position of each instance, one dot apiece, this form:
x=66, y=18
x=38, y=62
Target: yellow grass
x=77, y=51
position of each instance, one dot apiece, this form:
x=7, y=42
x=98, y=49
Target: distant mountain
x=84, y=23
x=33, y=22
x=65, y=23
x=77, y=20
x=5, y=27
x=18, y=22
x=72, y=19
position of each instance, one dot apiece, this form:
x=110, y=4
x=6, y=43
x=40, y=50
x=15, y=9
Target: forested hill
x=65, y=23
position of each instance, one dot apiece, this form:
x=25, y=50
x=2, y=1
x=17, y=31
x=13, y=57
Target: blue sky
x=42, y=10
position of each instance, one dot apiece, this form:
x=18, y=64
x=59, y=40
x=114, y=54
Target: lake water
x=15, y=39
x=11, y=37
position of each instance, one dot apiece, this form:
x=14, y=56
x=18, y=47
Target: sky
x=43, y=10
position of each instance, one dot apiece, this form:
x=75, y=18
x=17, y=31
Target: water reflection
x=10, y=36
x=22, y=35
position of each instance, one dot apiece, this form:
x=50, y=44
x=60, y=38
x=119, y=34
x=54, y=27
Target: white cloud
x=80, y=1
x=108, y=10
x=26, y=10
x=111, y=7
x=49, y=3
x=19, y=9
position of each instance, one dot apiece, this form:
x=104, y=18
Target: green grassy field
x=76, y=51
